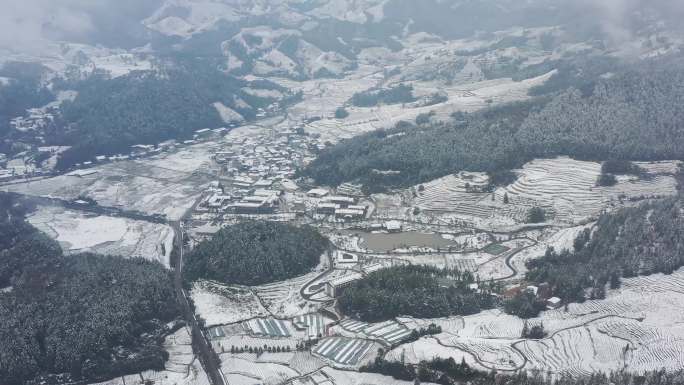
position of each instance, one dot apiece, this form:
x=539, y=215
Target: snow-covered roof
x=345, y=279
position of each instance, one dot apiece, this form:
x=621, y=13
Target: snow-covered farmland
x=220, y=305
x=568, y=187
x=638, y=327
x=239, y=370
x=182, y=367
x=79, y=232
x=331, y=376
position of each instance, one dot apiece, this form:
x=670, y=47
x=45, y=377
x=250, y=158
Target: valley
x=340, y=192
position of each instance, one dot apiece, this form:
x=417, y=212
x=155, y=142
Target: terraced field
x=638, y=327
x=450, y=193
x=563, y=184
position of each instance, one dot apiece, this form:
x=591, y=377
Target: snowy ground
x=182, y=367
x=638, y=327
x=166, y=184
x=221, y=305
x=79, y=232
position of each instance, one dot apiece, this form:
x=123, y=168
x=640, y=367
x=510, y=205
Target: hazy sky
x=22, y=22
x=26, y=24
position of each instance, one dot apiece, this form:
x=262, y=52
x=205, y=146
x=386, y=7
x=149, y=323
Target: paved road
x=201, y=345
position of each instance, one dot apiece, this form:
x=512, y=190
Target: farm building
x=349, y=213
x=327, y=208
x=217, y=201
x=251, y=208
x=350, y=189
x=268, y=193
x=263, y=183
x=553, y=303
x=317, y=193
x=393, y=226
x=5, y=175
x=82, y=173
x=335, y=287
x=340, y=200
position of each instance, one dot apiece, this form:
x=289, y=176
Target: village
x=292, y=331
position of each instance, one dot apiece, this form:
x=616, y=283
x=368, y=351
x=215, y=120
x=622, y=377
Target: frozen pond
x=386, y=242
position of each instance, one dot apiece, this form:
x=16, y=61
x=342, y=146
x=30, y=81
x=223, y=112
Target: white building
x=334, y=287
x=317, y=193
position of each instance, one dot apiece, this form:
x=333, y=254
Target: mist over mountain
x=220, y=192
x=27, y=25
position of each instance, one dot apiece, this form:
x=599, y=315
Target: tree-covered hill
x=641, y=240
x=254, y=253
x=417, y=291
x=86, y=316
x=147, y=107
x=635, y=114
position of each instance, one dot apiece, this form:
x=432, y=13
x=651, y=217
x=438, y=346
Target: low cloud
x=27, y=25
x=619, y=18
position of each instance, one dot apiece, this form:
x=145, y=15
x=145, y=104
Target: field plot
x=568, y=187
x=450, y=192
x=343, y=351
x=79, y=232
x=267, y=327
x=239, y=370
x=284, y=299
x=220, y=305
x=345, y=377
x=563, y=184
x=314, y=324
x=496, y=249
x=127, y=184
x=182, y=367
x=577, y=351
x=389, y=332
x=426, y=349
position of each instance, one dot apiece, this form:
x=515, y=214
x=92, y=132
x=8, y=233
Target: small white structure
x=334, y=287
x=82, y=173
x=372, y=268
x=349, y=213
x=340, y=200
x=393, y=226
x=317, y=193
x=326, y=208
x=553, y=303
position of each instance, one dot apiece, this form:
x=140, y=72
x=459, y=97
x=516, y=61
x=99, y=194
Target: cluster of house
x=542, y=293
x=264, y=157
x=143, y=150
x=258, y=170
x=341, y=206
x=36, y=119
x=242, y=200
